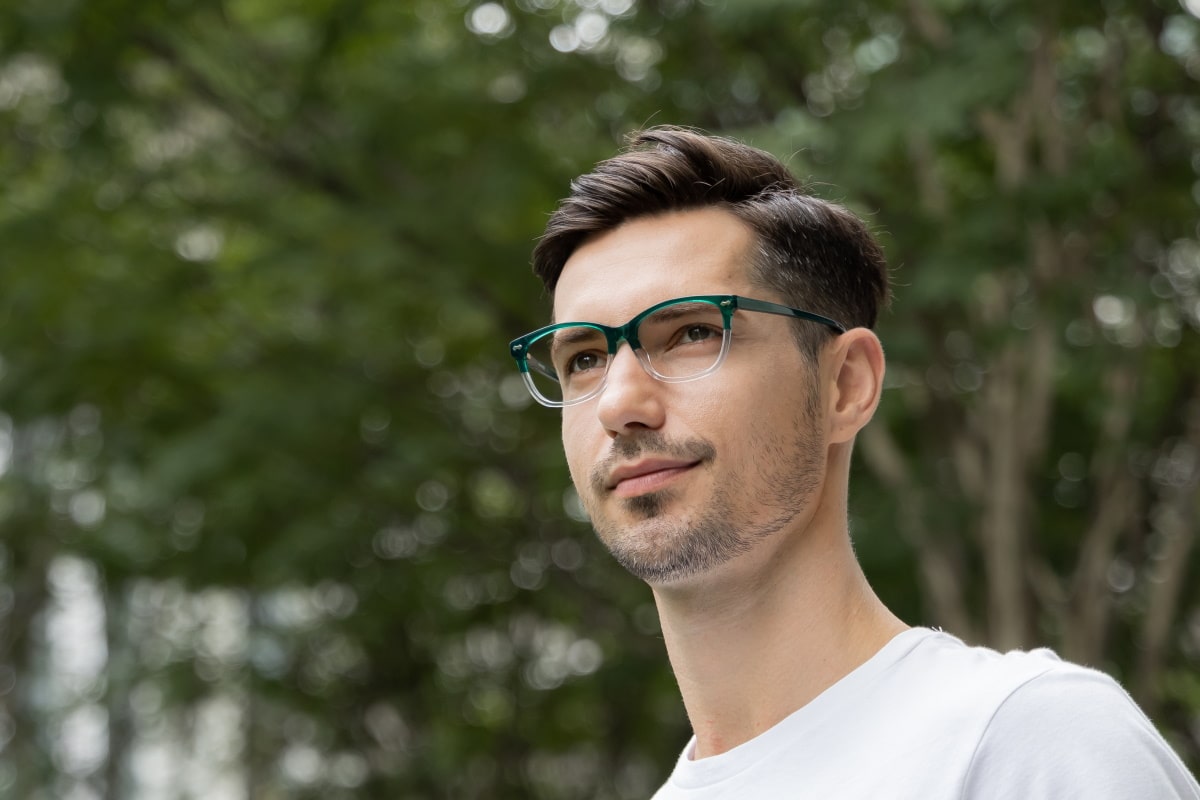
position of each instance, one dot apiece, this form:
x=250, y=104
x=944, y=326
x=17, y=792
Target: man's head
x=684, y=475
x=815, y=255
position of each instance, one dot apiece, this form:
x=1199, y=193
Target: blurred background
x=277, y=517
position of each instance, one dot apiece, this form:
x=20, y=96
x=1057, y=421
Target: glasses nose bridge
x=627, y=333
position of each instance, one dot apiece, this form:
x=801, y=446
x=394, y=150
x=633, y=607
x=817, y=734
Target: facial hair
x=661, y=549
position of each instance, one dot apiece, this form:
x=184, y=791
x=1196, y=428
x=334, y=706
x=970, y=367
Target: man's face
x=683, y=478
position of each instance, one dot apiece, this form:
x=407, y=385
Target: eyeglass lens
x=679, y=341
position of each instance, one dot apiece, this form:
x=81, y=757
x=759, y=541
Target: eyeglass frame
x=727, y=303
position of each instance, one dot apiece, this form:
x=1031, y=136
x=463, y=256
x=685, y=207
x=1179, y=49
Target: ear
x=855, y=364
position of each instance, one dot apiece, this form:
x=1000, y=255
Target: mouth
x=643, y=477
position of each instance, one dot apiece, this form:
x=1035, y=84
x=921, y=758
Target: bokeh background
x=277, y=518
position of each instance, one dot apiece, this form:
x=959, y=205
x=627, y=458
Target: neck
x=750, y=649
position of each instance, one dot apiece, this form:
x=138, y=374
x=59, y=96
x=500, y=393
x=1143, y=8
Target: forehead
x=646, y=260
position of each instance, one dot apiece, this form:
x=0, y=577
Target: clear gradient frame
x=726, y=303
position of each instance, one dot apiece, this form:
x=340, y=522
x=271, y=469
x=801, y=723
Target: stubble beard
x=662, y=549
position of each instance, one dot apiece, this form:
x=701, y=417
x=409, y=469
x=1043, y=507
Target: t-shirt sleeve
x=1074, y=733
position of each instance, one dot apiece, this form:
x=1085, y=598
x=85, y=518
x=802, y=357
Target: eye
x=584, y=361
x=697, y=333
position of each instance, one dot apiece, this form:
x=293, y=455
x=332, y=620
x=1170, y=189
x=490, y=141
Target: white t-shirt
x=929, y=718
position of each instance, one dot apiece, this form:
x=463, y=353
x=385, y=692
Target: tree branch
x=938, y=572
x=1004, y=505
x=1176, y=519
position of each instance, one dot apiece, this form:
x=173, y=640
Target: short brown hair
x=817, y=255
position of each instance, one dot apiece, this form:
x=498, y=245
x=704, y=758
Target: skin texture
x=727, y=494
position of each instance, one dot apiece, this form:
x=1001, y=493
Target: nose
x=631, y=398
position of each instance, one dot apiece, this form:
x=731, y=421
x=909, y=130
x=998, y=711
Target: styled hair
x=817, y=255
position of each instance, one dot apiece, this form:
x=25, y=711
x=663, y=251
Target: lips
x=646, y=463
x=646, y=475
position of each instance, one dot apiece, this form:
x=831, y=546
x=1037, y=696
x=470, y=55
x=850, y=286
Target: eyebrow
x=570, y=336
x=683, y=309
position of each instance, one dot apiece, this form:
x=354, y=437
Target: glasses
x=675, y=341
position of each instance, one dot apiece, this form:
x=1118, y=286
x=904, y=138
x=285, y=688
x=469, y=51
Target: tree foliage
x=276, y=518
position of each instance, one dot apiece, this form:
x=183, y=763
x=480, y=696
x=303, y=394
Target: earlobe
x=857, y=382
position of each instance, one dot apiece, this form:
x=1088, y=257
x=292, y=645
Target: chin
x=646, y=506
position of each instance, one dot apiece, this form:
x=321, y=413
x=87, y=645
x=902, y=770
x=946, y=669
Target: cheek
x=575, y=446
x=750, y=415
x=702, y=405
x=709, y=413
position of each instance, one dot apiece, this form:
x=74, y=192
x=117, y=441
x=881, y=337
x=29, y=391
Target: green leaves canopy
x=259, y=264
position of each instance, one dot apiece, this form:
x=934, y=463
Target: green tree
x=275, y=513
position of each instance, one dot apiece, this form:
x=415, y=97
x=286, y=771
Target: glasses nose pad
x=638, y=353
x=632, y=339
x=643, y=357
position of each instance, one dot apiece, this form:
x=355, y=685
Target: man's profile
x=713, y=358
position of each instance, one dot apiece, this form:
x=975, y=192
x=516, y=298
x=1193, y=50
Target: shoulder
x=989, y=677
x=1067, y=731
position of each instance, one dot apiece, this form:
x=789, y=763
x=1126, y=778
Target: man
x=713, y=359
